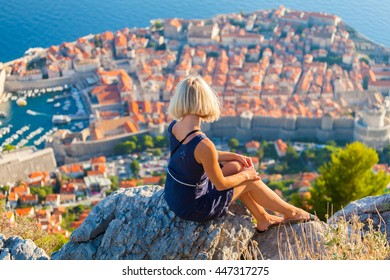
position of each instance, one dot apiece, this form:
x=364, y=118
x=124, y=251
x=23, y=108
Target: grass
x=343, y=240
x=29, y=229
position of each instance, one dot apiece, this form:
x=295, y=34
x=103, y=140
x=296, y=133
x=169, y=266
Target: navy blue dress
x=188, y=191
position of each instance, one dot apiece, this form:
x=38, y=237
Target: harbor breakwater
x=13, y=85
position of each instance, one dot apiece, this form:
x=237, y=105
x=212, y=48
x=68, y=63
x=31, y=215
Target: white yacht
x=61, y=119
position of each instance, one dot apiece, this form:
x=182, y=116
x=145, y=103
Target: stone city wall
x=15, y=85
x=86, y=150
x=285, y=128
x=19, y=167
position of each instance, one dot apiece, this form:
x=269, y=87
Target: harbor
x=28, y=117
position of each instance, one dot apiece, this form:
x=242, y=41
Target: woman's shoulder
x=205, y=144
x=171, y=125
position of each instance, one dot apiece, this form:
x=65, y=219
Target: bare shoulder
x=205, y=151
x=206, y=145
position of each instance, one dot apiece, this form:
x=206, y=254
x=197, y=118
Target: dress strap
x=188, y=134
x=181, y=142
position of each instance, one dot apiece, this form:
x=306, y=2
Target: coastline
x=321, y=31
x=358, y=35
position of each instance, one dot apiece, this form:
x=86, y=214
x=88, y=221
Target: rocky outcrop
x=16, y=248
x=375, y=208
x=137, y=224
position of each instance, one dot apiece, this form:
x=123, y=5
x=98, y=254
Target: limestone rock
x=376, y=208
x=2, y=240
x=286, y=240
x=137, y=224
x=16, y=248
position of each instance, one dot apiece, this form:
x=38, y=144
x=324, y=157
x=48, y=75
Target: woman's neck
x=191, y=121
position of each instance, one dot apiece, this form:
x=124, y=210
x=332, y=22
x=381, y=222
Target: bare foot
x=268, y=221
x=299, y=214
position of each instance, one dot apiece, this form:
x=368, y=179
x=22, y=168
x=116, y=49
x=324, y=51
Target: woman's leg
x=267, y=198
x=263, y=219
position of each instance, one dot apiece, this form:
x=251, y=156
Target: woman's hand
x=244, y=160
x=250, y=174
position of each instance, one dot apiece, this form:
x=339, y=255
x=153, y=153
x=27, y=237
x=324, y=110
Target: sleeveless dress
x=188, y=191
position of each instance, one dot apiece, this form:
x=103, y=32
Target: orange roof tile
x=151, y=180
x=13, y=196
x=24, y=211
x=52, y=197
x=108, y=35
x=96, y=160
x=128, y=183
x=20, y=190
x=130, y=127
x=252, y=144
x=28, y=198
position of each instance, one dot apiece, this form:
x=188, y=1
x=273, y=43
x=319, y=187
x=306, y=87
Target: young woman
x=201, y=181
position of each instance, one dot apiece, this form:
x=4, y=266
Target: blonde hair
x=194, y=96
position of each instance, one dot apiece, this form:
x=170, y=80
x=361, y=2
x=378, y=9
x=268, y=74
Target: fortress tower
x=372, y=126
x=246, y=120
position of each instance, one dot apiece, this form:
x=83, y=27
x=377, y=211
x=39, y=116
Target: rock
x=287, y=240
x=375, y=208
x=5, y=255
x=2, y=239
x=136, y=223
x=16, y=248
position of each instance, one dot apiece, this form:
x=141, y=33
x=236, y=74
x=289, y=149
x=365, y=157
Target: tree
x=260, y=153
x=114, y=183
x=157, y=152
x=162, y=180
x=158, y=25
x=135, y=167
x=324, y=155
x=385, y=154
x=42, y=192
x=9, y=147
x=160, y=141
x=291, y=155
x=347, y=177
x=269, y=150
x=127, y=147
x=4, y=189
x=233, y=143
x=147, y=142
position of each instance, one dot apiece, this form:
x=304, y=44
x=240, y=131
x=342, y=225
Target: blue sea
x=41, y=23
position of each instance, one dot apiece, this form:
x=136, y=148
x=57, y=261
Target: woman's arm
x=206, y=154
x=228, y=156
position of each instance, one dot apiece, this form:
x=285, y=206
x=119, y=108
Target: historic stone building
x=372, y=125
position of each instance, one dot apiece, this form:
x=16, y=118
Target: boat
x=3, y=114
x=30, y=112
x=58, y=104
x=50, y=100
x=61, y=119
x=21, y=101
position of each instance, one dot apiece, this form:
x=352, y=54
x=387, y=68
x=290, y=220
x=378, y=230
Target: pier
x=79, y=118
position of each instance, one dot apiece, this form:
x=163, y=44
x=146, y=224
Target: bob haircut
x=194, y=96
